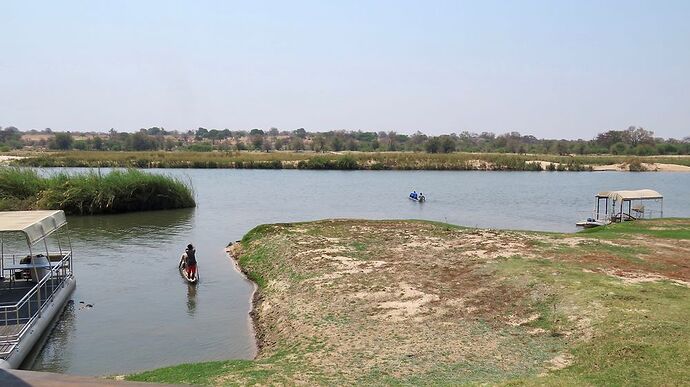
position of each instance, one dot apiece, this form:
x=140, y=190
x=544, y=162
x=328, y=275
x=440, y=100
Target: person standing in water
x=189, y=259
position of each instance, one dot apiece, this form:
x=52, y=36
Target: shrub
x=200, y=147
x=635, y=165
x=534, y=166
x=318, y=162
x=346, y=162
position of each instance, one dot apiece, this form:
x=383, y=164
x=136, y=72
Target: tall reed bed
x=347, y=160
x=92, y=192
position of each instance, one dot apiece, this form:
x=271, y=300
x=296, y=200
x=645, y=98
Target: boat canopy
x=36, y=225
x=639, y=194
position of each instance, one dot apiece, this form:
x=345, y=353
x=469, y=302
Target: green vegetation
x=641, y=336
x=631, y=141
x=635, y=165
x=92, y=192
x=414, y=302
x=344, y=161
x=668, y=228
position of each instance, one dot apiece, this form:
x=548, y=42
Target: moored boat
x=591, y=223
x=37, y=281
x=620, y=206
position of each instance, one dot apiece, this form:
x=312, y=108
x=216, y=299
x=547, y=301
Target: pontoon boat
x=619, y=206
x=36, y=282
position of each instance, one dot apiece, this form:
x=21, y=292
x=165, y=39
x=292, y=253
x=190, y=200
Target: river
x=144, y=316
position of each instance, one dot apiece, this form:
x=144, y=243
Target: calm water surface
x=145, y=316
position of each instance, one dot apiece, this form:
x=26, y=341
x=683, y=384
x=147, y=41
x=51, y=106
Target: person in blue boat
x=413, y=195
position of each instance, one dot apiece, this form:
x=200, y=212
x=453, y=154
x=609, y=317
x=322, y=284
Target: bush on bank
x=92, y=192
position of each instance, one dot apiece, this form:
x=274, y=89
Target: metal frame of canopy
x=628, y=197
x=36, y=227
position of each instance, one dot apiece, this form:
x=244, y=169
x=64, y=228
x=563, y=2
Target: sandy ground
x=655, y=167
x=4, y=159
x=622, y=167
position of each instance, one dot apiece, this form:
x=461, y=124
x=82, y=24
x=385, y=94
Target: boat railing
x=25, y=311
x=615, y=216
x=646, y=213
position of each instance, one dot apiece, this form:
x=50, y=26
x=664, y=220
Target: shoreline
x=355, y=161
x=255, y=299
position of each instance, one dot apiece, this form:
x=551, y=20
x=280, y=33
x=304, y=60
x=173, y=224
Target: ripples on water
x=145, y=315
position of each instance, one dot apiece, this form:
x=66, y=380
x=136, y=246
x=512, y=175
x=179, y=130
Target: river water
x=144, y=315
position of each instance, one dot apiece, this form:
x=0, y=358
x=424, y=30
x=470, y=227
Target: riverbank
x=352, y=161
x=92, y=192
x=387, y=302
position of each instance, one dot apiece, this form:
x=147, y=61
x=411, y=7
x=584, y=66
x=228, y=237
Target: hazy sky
x=558, y=69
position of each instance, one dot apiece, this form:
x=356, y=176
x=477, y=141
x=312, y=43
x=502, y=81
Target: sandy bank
x=653, y=167
x=6, y=159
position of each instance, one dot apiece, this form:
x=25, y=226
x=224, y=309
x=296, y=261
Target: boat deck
x=11, y=292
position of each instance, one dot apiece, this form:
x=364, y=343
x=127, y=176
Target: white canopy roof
x=631, y=195
x=36, y=225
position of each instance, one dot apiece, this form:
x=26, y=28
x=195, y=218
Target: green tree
x=296, y=143
x=201, y=133
x=280, y=143
x=432, y=145
x=446, y=144
x=619, y=148
x=318, y=143
x=266, y=145
x=141, y=142
x=301, y=133
x=257, y=141
x=98, y=143
x=10, y=133
x=61, y=141
x=337, y=144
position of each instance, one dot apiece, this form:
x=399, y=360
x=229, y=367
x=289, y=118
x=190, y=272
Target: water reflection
x=52, y=354
x=191, y=299
x=149, y=227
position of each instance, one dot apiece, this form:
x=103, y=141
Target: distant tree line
x=630, y=141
